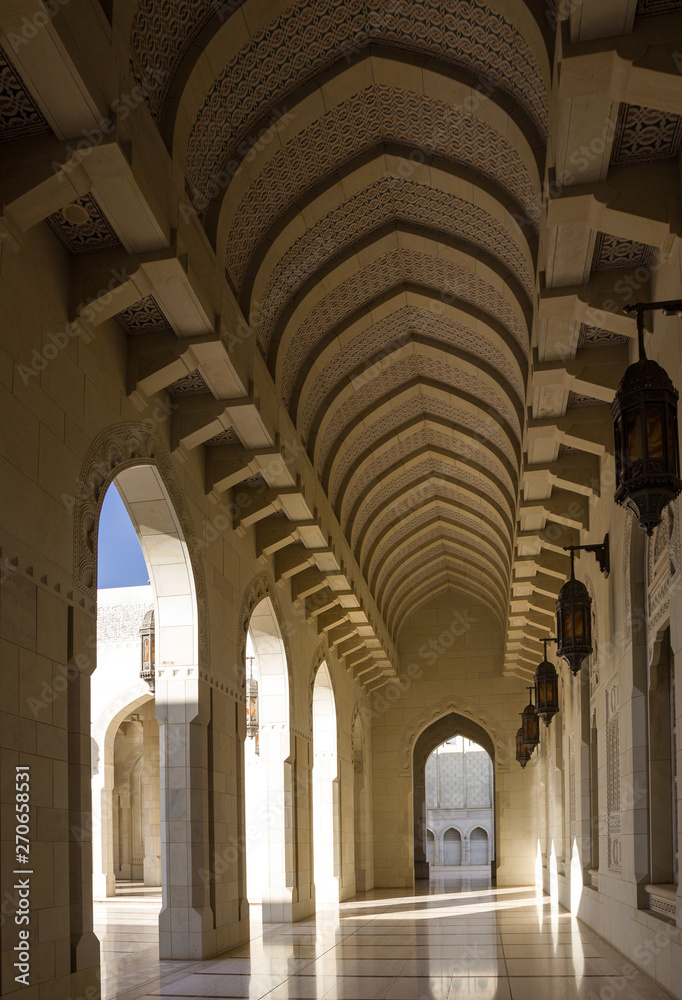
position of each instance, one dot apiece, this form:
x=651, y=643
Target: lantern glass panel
x=578, y=623
x=634, y=437
x=654, y=431
x=672, y=440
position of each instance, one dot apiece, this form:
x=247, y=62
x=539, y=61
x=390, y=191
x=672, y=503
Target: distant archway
x=438, y=732
x=267, y=762
x=452, y=847
x=326, y=818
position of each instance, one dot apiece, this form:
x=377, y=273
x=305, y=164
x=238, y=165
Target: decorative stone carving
x=143, y=317
x=258, y=589
x=378, y=113
x=612, y=253
x=90, y=236
x=120, y=447
x=307, y=37
x=19, y=114
x=613, y=778
x=646, y=135
x=387, y=200
x=192, y=384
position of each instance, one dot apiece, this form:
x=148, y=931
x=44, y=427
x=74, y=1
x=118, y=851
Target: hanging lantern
x=574, y=621
x=523, y=754
x=148, y=650
x=546, y=689
x=530, y=725
x=252, y=704
x=645, y=434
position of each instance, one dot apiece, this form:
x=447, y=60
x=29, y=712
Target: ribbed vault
x=368, y=173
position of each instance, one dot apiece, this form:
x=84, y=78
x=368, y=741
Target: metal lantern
x=574, y=621
x=148, y=650
x=251, y=703
x=530, y=725
x=546, y=689
x=645, y=435
x=523, y=754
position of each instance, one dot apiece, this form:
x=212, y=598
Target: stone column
x=186, y=921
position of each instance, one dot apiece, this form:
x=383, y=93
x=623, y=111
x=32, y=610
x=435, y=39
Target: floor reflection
x=443, y=941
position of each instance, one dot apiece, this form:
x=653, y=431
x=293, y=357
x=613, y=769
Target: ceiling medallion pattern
x=379, y=113
x=612, y=253
x=383, y=274
x=387, y=200
x=93, y=235
x=374, y=344
x=19, y=114
x=646, y=135
x=315, y=34
x=421, y=439
x=405, y=370
x=430, y=490
x=426, y=406
x=162, y=33
x=593, y=336
x=430, y=466
x=143, y=317
x=189, y=385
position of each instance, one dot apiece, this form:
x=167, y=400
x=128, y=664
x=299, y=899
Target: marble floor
x=448, y=939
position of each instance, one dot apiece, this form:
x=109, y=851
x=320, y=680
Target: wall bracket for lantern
x=600, y=550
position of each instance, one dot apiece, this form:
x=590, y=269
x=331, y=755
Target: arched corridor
x=366, y=316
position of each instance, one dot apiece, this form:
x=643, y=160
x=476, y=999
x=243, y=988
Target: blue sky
x=120, y=562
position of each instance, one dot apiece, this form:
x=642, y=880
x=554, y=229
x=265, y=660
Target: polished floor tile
x=442, y=942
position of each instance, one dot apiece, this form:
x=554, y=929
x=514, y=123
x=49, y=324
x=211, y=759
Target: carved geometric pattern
x=384, y=273
x=431, y=581
x=19, y=115
x=431, y=466
x=398, y=512
x=310, y=36
x=645, y=8
x=416, y=366
x=379, y=113
x=228, y=436
x=612, y=252
x=613, y=778
x=96, y=233
x=161, y=34
x=421, y=540
x=461, y=707
x=397, y=330
x=421, y=439
x=444, y=560
x=428, y=406
x=189, y=385
x=646, y=135
x=143, y=317
x=578, y=399
x=120, y=447
x=593, y=336
x=121, y=622
x=410, y=527
x=390, y=199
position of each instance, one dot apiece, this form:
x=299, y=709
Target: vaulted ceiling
x=369, y=173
